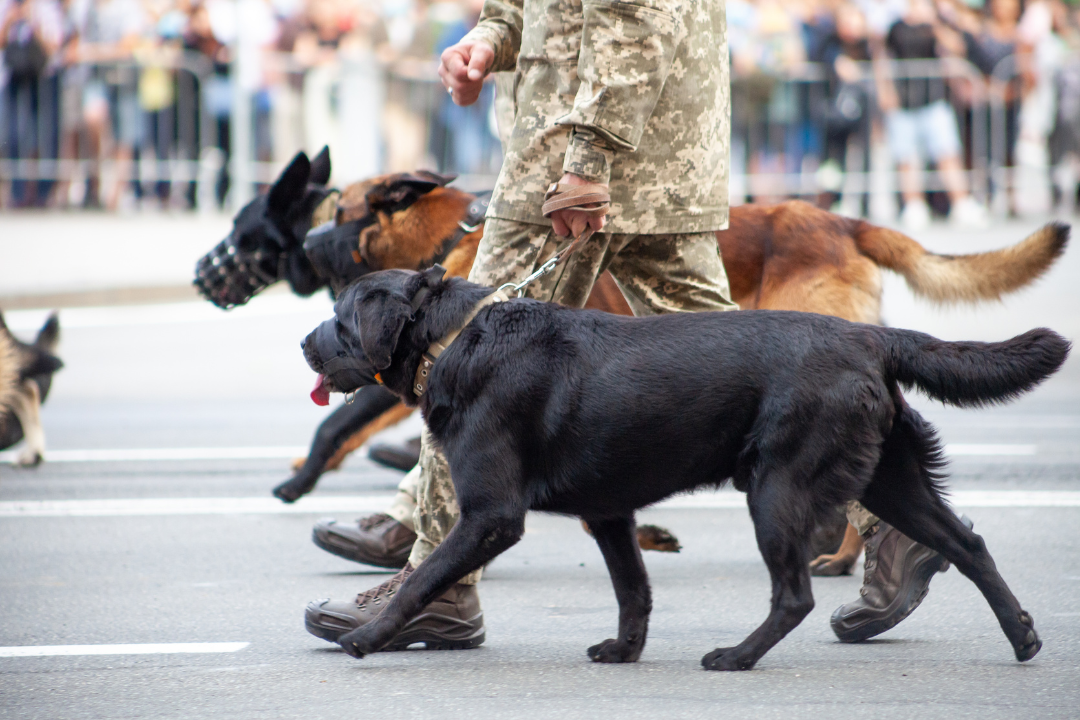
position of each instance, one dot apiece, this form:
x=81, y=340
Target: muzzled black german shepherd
x=541, y=407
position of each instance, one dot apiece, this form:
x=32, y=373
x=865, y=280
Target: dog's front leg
x=618, y=542
x=26, y=405
x=370, y=404
x=476, y=539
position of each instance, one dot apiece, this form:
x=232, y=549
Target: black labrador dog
x=542, y=407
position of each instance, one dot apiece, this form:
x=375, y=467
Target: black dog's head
x=266, y=242
x=350, y=350
x=35, y=361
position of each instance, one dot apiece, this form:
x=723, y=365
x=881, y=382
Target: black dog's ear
x=320, y=167
x=434, y=275
x=380, y=318
x=290, y=186
x=399, y=193
x=49, y=334
x=443, y=180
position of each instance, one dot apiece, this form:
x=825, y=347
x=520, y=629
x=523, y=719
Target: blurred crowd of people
x=117, y=81
x=1019, y=59
x=134, y=89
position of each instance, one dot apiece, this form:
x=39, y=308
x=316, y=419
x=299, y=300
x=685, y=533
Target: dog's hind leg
x=782, y=522
x=902, y=494
x=618, y=542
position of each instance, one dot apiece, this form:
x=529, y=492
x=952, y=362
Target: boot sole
x=468, y=639
x=395, y=563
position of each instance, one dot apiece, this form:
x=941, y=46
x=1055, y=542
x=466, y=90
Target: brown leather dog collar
x=437, y=348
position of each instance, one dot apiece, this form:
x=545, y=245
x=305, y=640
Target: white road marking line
x=955, y=449
x=724, y=499
x=149, y=649
x=289, y=452
x=168, y=454
x=133, y=507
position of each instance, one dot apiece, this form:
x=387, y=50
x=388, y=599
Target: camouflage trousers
x=860, y=517
x=657, y=274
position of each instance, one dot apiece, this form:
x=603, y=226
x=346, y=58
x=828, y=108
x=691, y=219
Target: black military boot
x=453, y=621
x=399, y=457
x=377, y=539
x=896, y=578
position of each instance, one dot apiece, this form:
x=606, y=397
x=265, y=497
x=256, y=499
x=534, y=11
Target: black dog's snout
x=327, y=354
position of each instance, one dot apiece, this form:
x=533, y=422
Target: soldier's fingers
x=453, y=63
x=466, y=93
x=558, y=225
x=480, y=60
x=578, y=223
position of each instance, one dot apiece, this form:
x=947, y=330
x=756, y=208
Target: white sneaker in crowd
x=969, y=213
x=915, y=216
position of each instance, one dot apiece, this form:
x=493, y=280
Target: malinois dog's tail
x=963, y=278
x=973, y=374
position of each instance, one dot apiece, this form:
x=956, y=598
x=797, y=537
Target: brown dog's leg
x=388, y=419
x=651, y=537
x=843, y=560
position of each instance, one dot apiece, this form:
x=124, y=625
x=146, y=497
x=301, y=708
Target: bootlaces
x=870, y=562
x=376, y=594
x=373, y=521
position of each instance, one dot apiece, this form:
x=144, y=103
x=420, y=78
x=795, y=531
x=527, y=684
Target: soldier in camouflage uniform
x=634, y=96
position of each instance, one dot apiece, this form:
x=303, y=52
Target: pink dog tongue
x=320, y=395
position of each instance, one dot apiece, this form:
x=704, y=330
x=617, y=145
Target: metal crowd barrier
x=405, y=97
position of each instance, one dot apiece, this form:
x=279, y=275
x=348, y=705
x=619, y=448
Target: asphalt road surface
x=146, y=571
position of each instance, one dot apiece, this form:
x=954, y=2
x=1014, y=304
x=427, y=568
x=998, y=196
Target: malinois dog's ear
x=443, y=180
x=49, y=334
x=399, y=193
x=380, y=317
x=290, y=186
x=320, y=167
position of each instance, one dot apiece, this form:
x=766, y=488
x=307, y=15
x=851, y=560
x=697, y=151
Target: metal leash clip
x=550, y=264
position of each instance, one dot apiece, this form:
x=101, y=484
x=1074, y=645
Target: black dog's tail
x=973, y=374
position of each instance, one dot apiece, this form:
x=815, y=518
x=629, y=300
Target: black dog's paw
x=725, y=659
x=1030, y=644
x=288, y=492
x=614, y=651
x=355, y=643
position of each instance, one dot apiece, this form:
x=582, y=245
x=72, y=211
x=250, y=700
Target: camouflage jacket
x=633, y=93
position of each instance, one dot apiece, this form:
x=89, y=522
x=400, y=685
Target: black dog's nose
x=303, y=343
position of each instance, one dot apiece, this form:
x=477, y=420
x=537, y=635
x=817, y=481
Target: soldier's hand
x=571, y=223
x=463, y=67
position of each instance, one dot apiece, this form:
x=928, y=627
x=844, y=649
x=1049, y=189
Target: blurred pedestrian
x=920, y=123
x=29, y=36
